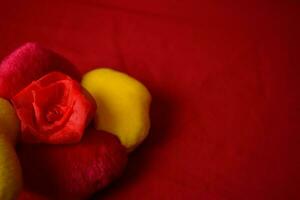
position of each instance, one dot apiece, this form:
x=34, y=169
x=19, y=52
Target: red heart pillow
x=72, y=171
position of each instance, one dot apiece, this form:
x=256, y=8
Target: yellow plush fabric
x=10, y=170
x=123, y=105
x=9, y=122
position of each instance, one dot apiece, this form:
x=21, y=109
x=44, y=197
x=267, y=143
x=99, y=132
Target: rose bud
x=71, y=171
x=54, y=109
x=28, y=63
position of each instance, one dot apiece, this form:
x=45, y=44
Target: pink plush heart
x=28, y=63
x=73, y=171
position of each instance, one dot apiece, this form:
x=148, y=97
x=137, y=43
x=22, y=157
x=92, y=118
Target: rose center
x=54, y=114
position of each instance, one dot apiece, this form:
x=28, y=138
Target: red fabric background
x=225, y=82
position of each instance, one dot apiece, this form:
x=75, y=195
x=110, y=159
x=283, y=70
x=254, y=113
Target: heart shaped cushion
x=74, y=171
x=28, y=63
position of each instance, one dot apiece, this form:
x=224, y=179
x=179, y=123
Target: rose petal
x=83, y=111
x=54, y=109
x=53, y=77
x=59, y=99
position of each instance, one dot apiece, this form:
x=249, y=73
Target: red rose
x=54, y=109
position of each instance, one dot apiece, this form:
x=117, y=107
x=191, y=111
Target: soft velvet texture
x=54, y=109
x=28, y=63
x=123, y=103
x=224, y=76
x=72, y=171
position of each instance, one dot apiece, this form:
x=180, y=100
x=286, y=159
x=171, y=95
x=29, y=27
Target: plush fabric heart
x=71, y=171
x=28, y=63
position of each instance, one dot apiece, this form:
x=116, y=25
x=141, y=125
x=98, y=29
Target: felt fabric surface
x=27, y=63
x=224, y=76
x=49, y=170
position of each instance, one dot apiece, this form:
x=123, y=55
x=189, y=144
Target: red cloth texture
x=224, y=76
